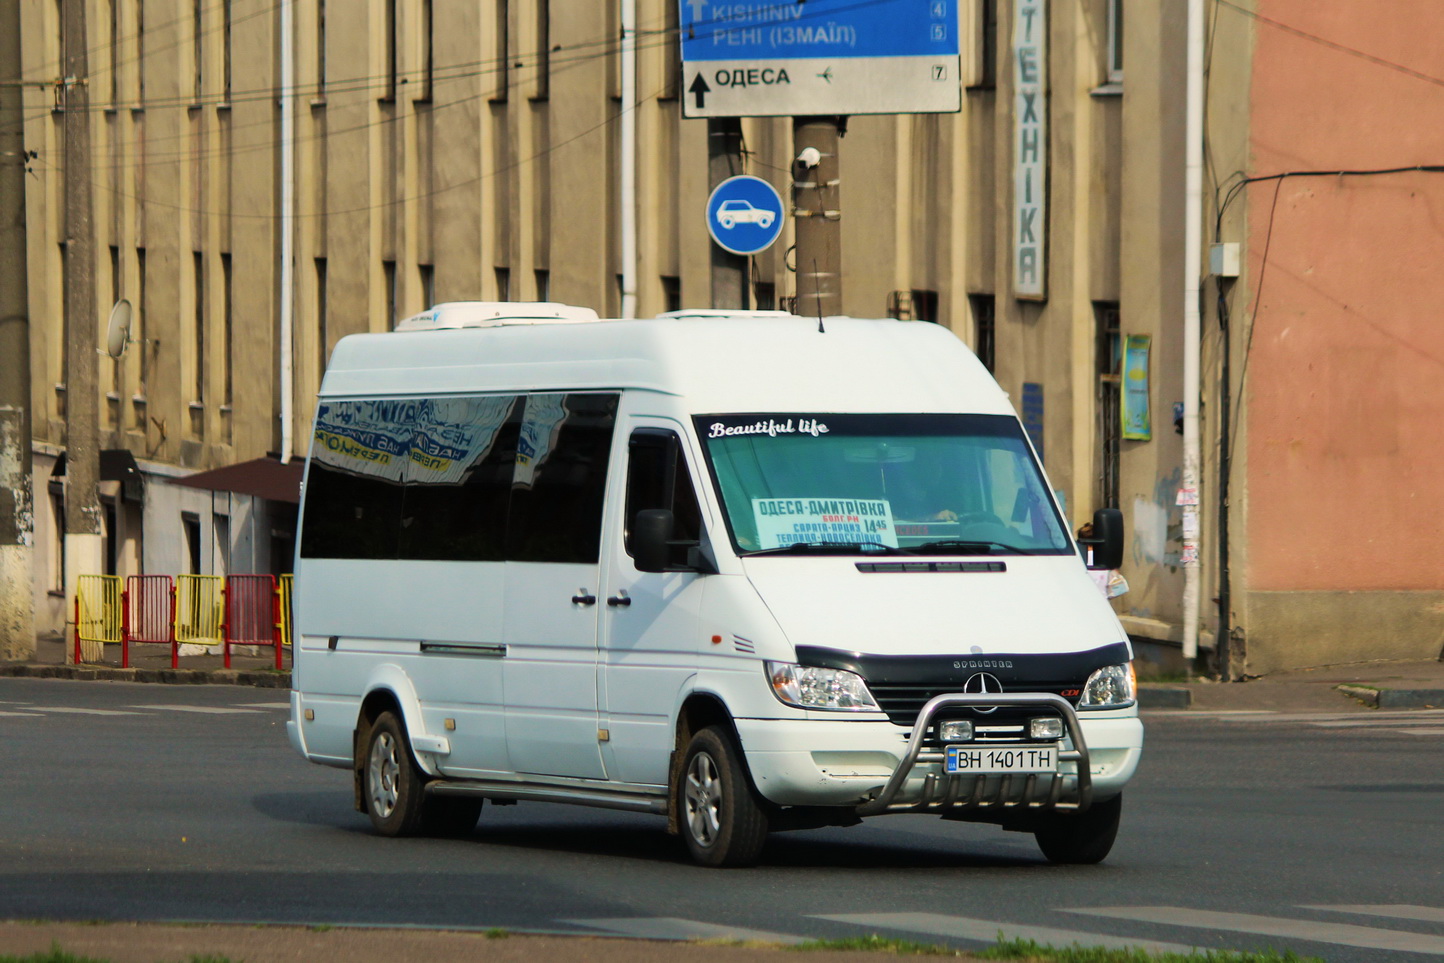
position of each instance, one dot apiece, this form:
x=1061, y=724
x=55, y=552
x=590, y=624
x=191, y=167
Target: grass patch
x=497, y=933
x=1027, y=951
x=53, y=955
x=874, y=943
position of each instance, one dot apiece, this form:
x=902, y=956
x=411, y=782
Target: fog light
x=1045, y=727
x=957, y=731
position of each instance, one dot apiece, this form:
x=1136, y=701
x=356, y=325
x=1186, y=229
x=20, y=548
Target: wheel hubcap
x=382, y=774
x=703, y=798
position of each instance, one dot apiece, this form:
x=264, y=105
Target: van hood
x=1034, y=605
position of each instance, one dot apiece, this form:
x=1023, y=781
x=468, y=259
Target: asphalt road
x=1317, y=833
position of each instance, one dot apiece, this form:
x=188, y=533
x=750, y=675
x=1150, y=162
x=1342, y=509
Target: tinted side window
x=458, y=479
x=657, y=477
x=559, y=485
x=353, y=487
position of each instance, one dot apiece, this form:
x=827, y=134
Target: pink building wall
x=1345, y=376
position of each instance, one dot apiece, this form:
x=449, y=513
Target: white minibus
x=747, y=571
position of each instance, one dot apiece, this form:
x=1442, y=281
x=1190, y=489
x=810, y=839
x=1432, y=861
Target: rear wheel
x=393, y=785
x=1084, y=837
x=721, y=819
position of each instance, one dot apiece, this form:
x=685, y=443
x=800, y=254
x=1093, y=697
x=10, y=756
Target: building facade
x=473, y=150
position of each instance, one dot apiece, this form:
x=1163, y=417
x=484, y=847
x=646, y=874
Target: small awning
x=261, y=477
x=116, y=465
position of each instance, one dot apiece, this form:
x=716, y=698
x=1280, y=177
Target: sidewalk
x=1341, y=688
x=151, y=663
x=1359, y=687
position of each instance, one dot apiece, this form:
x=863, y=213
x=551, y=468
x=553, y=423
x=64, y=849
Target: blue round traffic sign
x=744, y=214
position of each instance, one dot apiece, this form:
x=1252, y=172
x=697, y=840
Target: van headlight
x=1109, y=688
x=808, y=687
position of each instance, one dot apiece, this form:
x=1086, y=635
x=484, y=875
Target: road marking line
x=1343, y=934
x=208, y=710
x=1372, y=723
x=19, y=715
x=1427, y=914
x=265, y=705
x=85, y=712
x=987, y=931
x=671, y=928
x=1422, y=732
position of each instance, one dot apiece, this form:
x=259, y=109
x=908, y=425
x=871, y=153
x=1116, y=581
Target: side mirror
x=651, y=531
x=1107, y=540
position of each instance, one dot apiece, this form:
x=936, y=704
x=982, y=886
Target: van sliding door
x=552, y=593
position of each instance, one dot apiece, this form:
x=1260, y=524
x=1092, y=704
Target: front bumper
x=876, y=767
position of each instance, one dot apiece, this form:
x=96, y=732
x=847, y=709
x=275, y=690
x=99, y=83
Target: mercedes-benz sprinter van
x=747, y=571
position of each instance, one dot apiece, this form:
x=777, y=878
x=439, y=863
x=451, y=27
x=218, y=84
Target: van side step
x=601, y=797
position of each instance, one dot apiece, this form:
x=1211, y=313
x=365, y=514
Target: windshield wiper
x=963, y=546
x=830, y=548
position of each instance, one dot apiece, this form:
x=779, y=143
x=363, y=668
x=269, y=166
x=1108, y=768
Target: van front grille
x=902, y=703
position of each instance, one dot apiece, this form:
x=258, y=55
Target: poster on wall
x=1137, y=426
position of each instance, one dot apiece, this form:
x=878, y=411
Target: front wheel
x=1084, y=837
x=720, y=817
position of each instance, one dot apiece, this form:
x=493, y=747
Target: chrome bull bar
x=943, y=792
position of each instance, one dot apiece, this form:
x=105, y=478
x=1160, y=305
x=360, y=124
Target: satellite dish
x=117, y=329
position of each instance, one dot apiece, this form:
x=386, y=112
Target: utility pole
x=816, y=206
x=17, y=514
x=82, y=456
x=730, y=283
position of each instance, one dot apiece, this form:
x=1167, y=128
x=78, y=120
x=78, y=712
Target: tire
x=1084, y=838
x=392, y=786
x=450, y=816
x=720, y=817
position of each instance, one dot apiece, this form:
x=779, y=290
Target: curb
x=1395, y=698
x=1164, y=697
x=104, y=673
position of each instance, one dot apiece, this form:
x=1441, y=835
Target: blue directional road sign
x=744, y=214
x=760, y=58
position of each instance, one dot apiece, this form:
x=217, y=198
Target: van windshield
x=880, y=483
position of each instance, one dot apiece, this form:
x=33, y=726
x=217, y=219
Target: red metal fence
x=160, y=609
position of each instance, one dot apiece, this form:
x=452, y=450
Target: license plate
x=996, y=759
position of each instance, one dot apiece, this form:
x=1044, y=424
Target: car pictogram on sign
x=734, y=212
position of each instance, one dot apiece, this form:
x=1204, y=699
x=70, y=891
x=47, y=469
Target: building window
x=671, y=52
x=984, y=332
x=320, y=48
x=985, y=46
x=1109, y=366
x=114, y=52
x=424, y=28
x=137, y=331
x=198, y=276
x=503, y=284
x=428, y=285
x=221, y=526
x=764, y=293
x=388, y=273
x=113, y=406
x=501, y=50
x=197, y=51
x=226, y=51
x=323, y=334
x=1115, y=41
x=140, y=53
x=543, y=285
x=227, y=346
x=671, y=293
x=389, y=52
x=543, y=49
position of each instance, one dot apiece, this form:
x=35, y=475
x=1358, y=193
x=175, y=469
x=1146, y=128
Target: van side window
x=657, y=477
x=559, y=485
x=353, y=487
x=458, y=478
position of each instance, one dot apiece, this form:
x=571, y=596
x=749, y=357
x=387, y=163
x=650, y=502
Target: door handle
x=621, y=598
x=583, y=597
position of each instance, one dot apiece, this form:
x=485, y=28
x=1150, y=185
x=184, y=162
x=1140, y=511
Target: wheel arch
x=698, y=710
